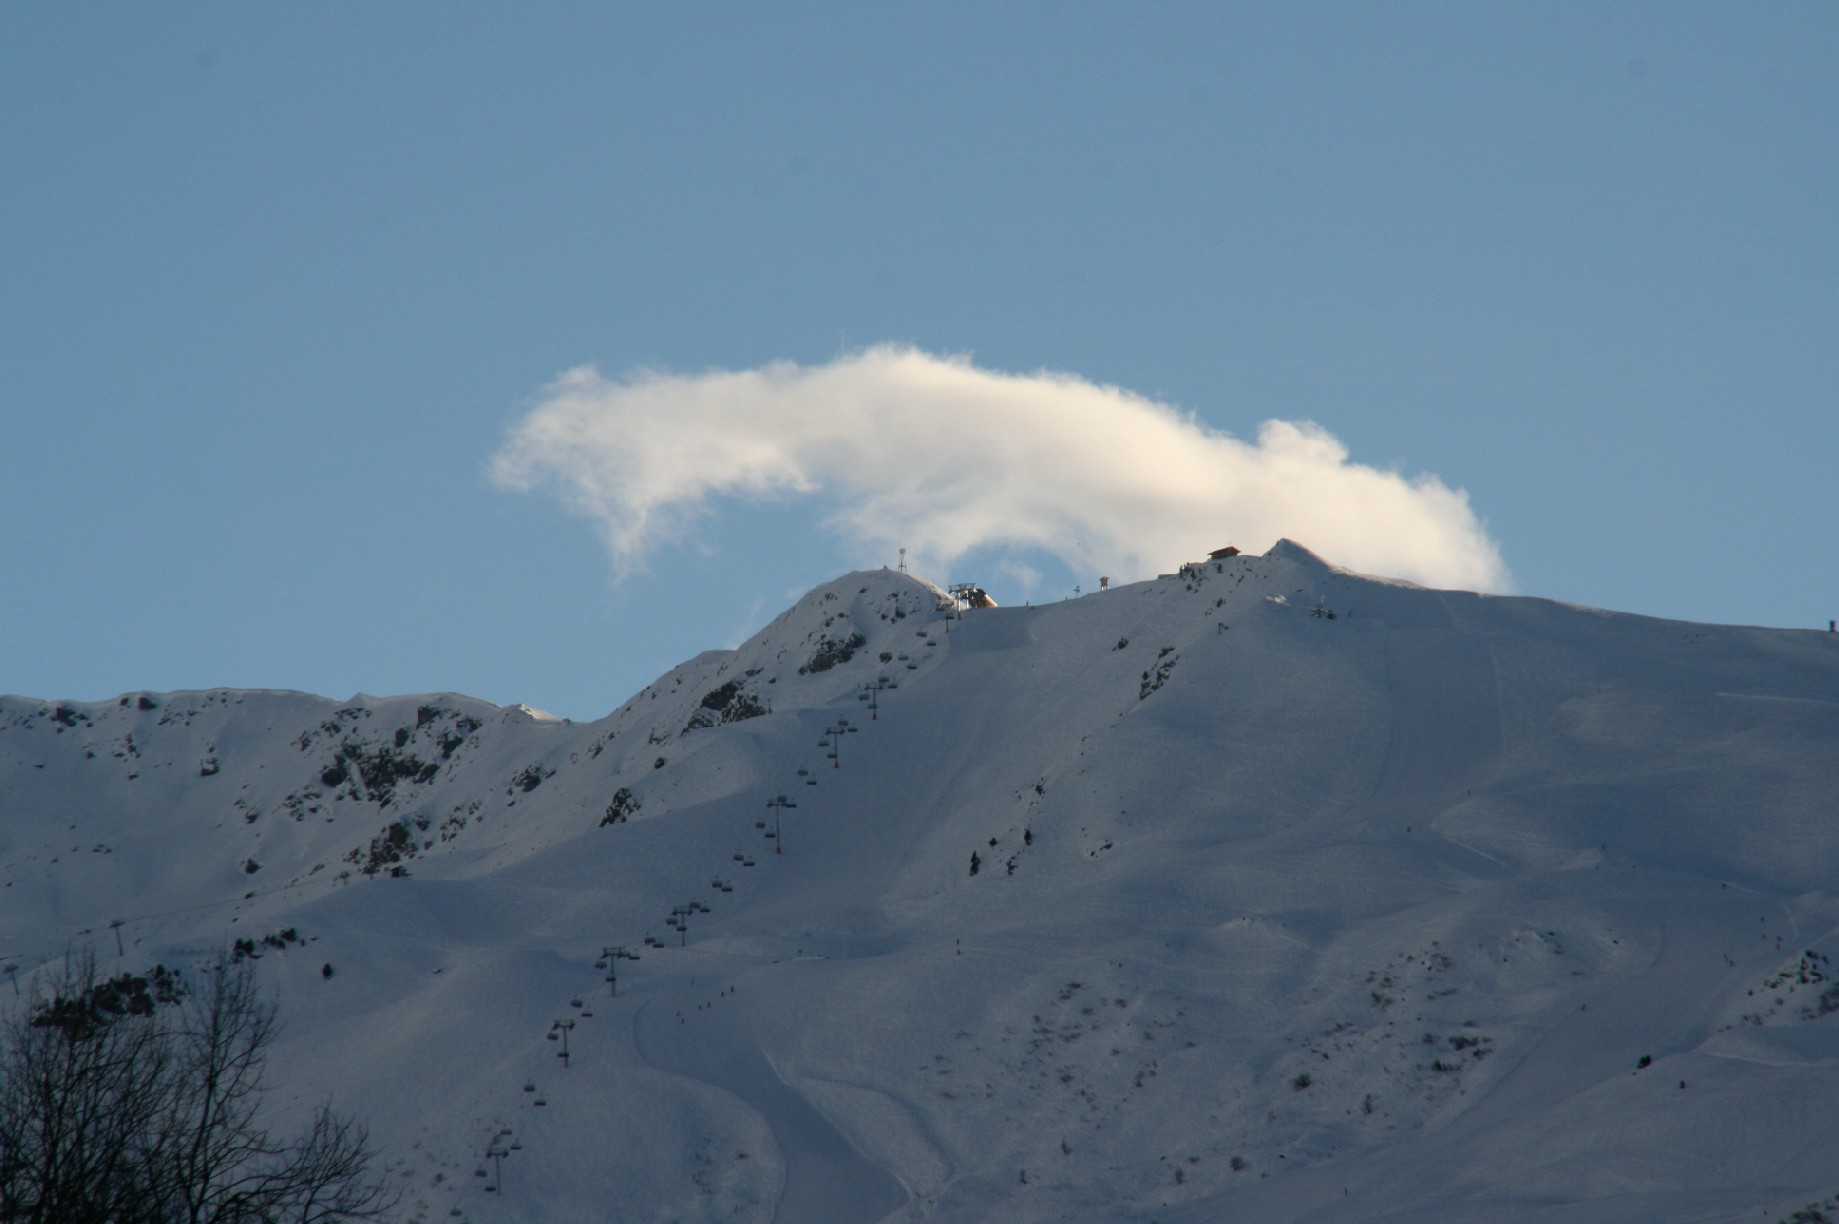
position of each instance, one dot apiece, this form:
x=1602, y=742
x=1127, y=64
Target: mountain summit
x=1259, y=891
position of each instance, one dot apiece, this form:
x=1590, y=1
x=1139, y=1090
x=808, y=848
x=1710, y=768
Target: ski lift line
x=679, y=921
x=681, y=914
x=118, y=923
x=612, y=952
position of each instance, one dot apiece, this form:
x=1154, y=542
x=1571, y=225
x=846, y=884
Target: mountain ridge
x=1363, y=886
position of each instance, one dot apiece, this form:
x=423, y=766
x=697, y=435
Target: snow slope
x=1299, y=895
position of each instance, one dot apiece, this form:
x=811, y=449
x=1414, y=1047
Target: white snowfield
x=1297, y=896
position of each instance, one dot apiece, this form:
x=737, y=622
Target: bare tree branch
x=114, y=1113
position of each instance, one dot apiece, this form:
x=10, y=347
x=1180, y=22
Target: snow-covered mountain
x=1262, y=891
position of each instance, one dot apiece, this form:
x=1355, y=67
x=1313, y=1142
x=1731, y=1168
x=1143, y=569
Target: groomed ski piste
x=1259, y=891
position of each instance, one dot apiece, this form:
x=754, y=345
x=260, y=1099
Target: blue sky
x=278, y=284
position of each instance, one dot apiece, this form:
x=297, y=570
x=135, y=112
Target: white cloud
x=940, y=457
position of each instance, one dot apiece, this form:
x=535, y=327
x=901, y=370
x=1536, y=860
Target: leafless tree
x=115, y=1111
x=82, y=1093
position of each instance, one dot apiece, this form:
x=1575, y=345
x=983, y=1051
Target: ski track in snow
x=826, y=1178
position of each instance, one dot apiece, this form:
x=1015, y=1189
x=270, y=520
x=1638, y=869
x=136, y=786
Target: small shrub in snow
x=624, y=804
x=80, y=1013
x=1153, y=680
x=391, y=846
x=1813, y=1213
